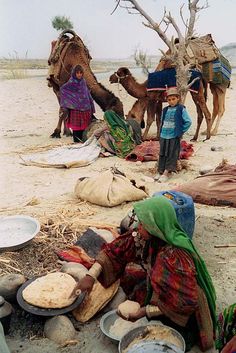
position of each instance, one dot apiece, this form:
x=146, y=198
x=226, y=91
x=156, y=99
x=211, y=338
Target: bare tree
x=142, y=60
x=176, y=52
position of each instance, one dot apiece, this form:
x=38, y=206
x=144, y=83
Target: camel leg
x=199, y=122
x=221, y=110
x=150, y=117
x=202, y=109
x=62, y=116
x=158, y=118
x=215, y=108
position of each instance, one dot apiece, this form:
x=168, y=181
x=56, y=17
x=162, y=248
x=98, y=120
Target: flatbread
x=51, y=291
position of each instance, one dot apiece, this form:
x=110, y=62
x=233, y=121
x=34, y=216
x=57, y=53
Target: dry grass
x=58, y=231
x=14, y=68
x=61, y=226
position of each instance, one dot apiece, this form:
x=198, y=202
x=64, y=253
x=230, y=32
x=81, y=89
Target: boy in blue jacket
x=175, y=121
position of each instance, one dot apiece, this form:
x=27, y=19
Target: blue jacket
x=182, y=120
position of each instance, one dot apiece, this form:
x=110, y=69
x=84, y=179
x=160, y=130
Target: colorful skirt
x=78, y=120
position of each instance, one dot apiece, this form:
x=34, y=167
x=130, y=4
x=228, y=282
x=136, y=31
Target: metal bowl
x=108, y=320
x=152, y=345
x=17, y=231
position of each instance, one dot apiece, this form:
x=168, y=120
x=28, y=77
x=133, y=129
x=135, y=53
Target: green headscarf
x=158, y=217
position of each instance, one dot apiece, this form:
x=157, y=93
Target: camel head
x=122, y=72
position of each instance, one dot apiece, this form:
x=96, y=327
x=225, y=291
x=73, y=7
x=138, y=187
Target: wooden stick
x=5, y=260
x=225, y=246
x=13, y=268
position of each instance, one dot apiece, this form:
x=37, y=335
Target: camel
x=138, y=90
x=218, y=92
x=153, y=108
x=65, y=54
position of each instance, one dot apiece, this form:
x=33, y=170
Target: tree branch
x=151, y=23
x=177, y=51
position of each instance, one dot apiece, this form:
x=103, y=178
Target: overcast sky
x=26, y=25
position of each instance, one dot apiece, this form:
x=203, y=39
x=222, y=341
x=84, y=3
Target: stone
x=59, y=329
x=147, y=179
x=216, y=148
x=9, y=285
x=76, y=270
x=205, y=170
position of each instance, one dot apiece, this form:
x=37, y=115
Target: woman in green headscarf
x=179, y=291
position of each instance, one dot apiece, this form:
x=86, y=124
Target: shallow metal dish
x=17, y=231
x=45, y=312
x=153, y=345
x=108, y=320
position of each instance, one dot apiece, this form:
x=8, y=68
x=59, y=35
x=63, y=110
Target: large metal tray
x=45, y=312
x=17, y=231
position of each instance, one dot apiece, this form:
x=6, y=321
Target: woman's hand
x=134, y=317
x=84, y=285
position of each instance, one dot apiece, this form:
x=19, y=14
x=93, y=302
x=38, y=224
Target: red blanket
x=149, y=151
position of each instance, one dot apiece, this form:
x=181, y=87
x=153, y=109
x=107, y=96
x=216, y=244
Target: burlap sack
x=201, y=50
x=108, y=189
x=95, y=301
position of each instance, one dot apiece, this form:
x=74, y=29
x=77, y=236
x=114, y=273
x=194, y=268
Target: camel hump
x=60, y=46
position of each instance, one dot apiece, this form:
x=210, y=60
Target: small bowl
x=17, y=231
x=151, y=345
x=108, y=320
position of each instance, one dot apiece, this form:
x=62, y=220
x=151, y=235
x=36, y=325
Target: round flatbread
x=51, y=291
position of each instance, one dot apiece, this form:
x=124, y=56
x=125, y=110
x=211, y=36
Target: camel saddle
x=59, y=49
x=201, y=50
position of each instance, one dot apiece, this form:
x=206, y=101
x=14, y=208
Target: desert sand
x=29, y=115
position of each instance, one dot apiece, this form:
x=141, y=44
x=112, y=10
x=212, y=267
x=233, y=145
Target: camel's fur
x=77, y=53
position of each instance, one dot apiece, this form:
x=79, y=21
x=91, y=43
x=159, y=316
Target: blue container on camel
x=184, y=209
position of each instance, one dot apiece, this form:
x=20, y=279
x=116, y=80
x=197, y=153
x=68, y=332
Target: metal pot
x=156, y=345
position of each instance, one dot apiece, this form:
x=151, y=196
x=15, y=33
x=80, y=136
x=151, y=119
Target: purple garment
x=75, y=95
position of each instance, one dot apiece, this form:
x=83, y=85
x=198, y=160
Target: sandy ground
x=28, y=116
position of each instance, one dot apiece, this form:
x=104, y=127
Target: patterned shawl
x=159, y=218
x=75, y=95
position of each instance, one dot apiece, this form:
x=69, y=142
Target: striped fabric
x=217, y=71
x=222, y=65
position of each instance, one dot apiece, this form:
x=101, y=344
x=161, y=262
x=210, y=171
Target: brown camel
x=138, y=90
x=66, y=53
x=145, y=102
x=218, y=91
